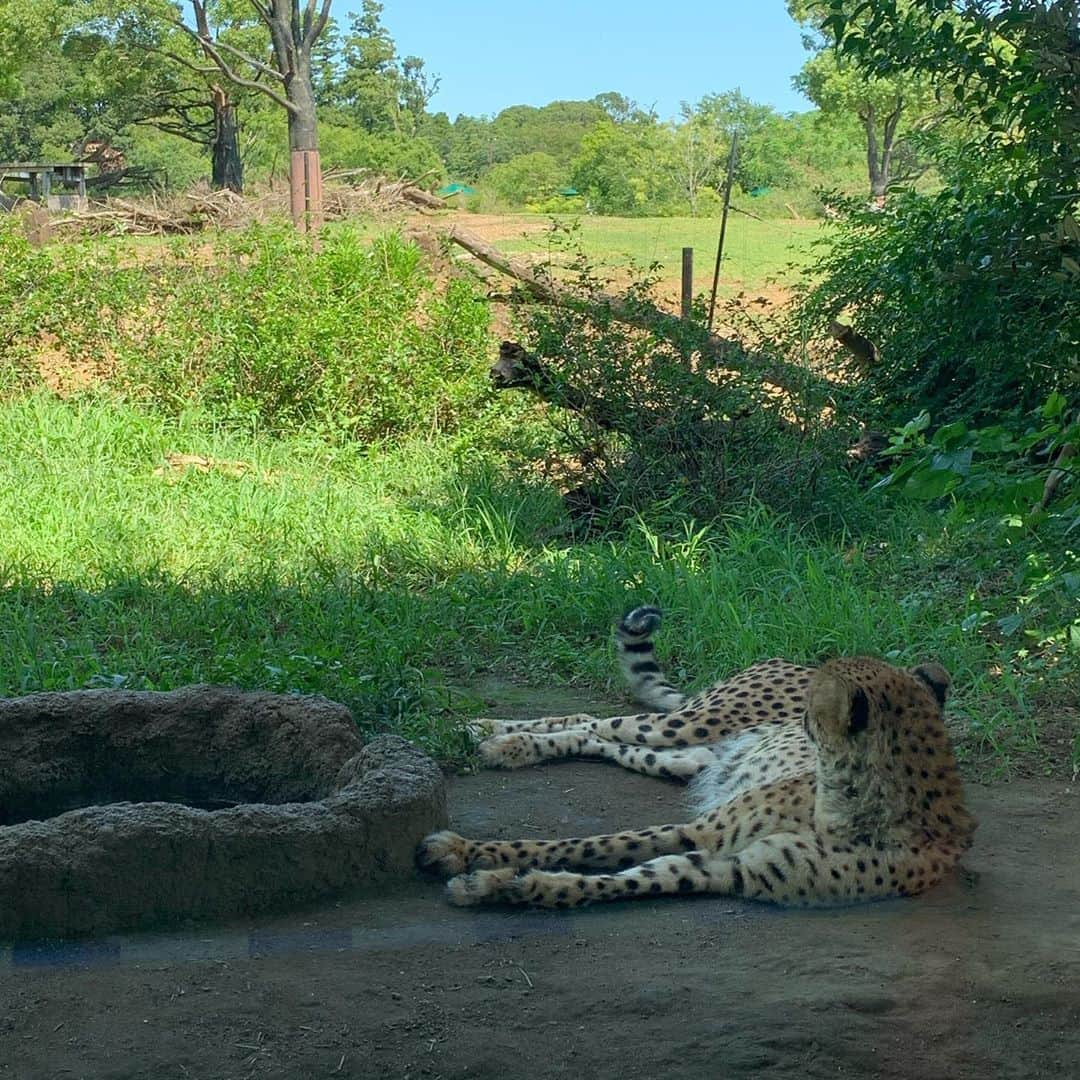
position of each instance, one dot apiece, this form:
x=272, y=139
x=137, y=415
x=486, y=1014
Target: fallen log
x=419, y=197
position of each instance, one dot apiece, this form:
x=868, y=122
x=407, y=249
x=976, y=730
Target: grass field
x=383, y=579
x=756, y=253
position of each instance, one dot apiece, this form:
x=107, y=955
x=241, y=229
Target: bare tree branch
x=176, y=58
x=222, y=66
x=173, y=129
x=266, y=69
x=316, y=28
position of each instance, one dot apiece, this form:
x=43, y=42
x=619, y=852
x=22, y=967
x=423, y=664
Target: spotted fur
x=811, y=786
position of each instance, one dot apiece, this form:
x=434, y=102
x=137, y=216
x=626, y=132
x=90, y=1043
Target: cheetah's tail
x=637, y=658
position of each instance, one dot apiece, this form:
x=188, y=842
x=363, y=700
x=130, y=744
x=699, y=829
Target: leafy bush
x=973, y=293
x=527, y=178
x=990, y=484
x=972, y=310
x=665, y=422
x=390, y=153
x=355, y=340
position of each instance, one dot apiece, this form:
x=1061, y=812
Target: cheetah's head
x=885, y=761
x=859, y=707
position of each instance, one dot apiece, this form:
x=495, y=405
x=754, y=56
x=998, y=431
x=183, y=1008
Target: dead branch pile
x=156, y=215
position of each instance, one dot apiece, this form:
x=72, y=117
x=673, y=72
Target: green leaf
x=1055, y=405
x=957, y=462
x=950, y=436
x=930, y=484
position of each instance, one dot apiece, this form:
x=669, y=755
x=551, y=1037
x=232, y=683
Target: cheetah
x=810, y=786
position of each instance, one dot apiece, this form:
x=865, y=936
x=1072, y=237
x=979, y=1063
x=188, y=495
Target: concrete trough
x=124, y=809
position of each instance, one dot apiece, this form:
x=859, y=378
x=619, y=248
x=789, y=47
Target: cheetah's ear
x=836, y=706
x=859, y=720
x=935, y=677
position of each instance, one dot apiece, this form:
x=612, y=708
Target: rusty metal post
x=723, y=224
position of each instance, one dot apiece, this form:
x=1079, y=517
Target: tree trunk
x=305, y=172
x=879, y=155
x=879, y=180
x=227, y=171
x=293, y=33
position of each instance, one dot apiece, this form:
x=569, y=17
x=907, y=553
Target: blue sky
x=492, y=54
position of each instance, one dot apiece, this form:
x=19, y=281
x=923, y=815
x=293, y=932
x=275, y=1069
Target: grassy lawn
x=383, y=578
x=758, y=255
x=755, y=252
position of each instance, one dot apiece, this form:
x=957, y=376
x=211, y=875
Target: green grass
x=755, y=252
x=382, y=578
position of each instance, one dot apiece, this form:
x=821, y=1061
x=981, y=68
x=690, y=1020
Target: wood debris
x=176, y=463
x=156, y=215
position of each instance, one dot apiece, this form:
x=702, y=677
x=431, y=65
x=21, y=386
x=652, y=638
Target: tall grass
x=384, y=578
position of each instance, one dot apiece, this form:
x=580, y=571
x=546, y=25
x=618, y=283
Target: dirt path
x=979, y=979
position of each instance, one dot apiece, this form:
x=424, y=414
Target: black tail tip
x=641, y=621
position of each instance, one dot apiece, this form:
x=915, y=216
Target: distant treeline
x=125, y=86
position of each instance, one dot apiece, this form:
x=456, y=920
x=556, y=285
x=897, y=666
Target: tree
x=1013, y=65
x=381, y=91
x=26, y=28
x=883, y=103
x=971, y=289
x=556, y=129
x=226, y=167
x=623, y=110
x=86, y=88
x=471, y=148
x=699, y=150
x=526, y=178
x=287, y=80
x=621, y=168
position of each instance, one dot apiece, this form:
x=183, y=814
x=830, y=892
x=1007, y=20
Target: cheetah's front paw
x=483, y=728
x=443, y=853
x=484, y=887
x=513, y=751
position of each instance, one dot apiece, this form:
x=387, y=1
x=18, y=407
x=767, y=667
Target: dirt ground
x=978, y=979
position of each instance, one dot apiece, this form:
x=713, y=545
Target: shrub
x=988, y=484
x=670, y=425
x=970, y=306
x=356, y=340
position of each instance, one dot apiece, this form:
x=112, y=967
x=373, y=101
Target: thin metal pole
x=687, y=281
x=723, y=224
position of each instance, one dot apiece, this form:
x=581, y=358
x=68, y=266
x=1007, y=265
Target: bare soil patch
x=979, y=978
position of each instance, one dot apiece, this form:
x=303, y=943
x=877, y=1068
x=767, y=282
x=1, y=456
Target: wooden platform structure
x=59, y=186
